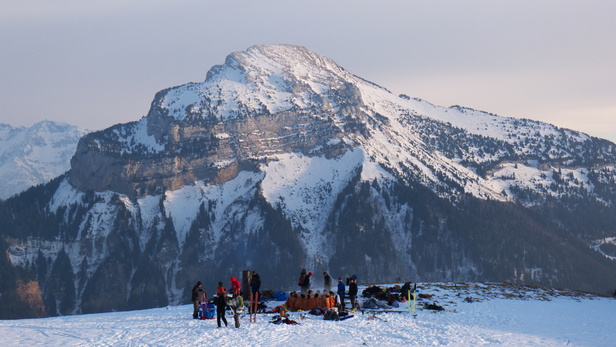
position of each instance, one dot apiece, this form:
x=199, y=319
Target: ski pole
x=414, y=302
x=409, y=300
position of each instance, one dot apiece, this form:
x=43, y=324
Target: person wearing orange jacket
x=220, y=288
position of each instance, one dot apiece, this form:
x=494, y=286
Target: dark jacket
x=255, y=281
x=221, y=303
x=352, y=288
x=327, y=279
x=195, y=292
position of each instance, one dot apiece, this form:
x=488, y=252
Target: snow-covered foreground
x=496, y=315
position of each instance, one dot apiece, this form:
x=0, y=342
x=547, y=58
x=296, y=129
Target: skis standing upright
x=254, y=304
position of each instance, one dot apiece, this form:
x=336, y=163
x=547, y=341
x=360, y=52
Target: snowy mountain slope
x=282, y=160
x=35, y=155
x=254, y=87
x=498, y=315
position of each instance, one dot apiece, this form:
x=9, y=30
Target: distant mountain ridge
x=35, y=155
x=282, y=160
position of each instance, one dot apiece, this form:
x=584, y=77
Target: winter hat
x=198, y=283
x=310, y=274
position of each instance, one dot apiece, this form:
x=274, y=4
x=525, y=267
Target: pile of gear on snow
x=391, y=297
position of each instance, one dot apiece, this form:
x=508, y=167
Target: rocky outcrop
x=199, y=150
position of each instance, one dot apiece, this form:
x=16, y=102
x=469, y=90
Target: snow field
x=527, y=320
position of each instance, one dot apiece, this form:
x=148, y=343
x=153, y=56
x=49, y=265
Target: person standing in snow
x=327, y=282
x=195, y=299
x=235, y=285
x=221, y=307
x=255, y=286
x=307, y=280
x=220, y=288
x=302, y=279
x=341, y=292
x=352, y=292
x=255, y=282
x=237, y=306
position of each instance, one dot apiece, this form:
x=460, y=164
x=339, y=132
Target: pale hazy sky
x=98, y=63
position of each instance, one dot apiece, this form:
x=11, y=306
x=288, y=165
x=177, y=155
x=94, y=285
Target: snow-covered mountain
x=282, y=160
x=35, y=155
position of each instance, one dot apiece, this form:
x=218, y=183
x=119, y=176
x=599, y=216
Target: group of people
x=305, y=283
x=235, y=302
x=222, y=301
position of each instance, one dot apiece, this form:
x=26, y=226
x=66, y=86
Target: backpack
x=317, y=311
x=331, y=315
x=210, y=311
x=434, y=307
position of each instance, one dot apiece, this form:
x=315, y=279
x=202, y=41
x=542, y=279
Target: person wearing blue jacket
x=341, y=290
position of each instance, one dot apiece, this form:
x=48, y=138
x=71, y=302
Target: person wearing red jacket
x=235, y=286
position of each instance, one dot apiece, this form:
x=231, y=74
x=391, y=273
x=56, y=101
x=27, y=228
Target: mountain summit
x=267, y=100
x=282, y=160
x=279, y=77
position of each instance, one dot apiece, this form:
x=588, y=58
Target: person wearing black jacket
x=306, y=285
x=327, y=282
x=352, y=292
x=302, y=278
x=195, y=299
x=255, y=285
x=221, y=308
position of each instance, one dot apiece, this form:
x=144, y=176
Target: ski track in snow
x=530, y=321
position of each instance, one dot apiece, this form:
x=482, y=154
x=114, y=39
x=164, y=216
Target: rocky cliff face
x=282, y=160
